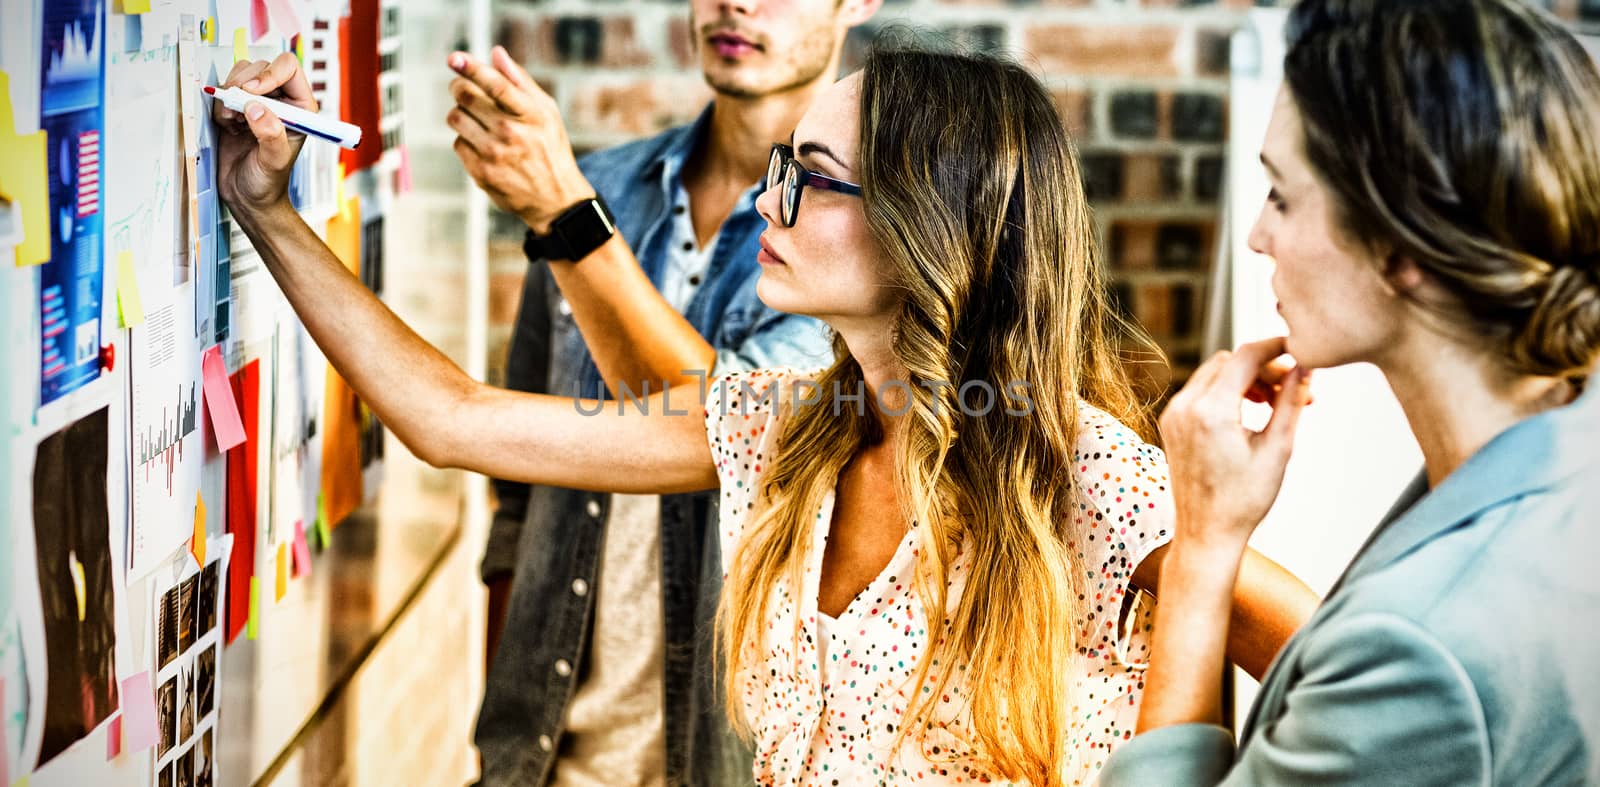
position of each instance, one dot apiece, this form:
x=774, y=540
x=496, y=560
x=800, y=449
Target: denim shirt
x=552, y=539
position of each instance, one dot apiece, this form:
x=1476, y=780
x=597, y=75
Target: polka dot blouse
x=828, y=715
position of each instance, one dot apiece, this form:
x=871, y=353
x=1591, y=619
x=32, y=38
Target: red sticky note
x=114, y=738
x=241, y=501
x=360, y=95
x=258, y=19
x=219, y=401
x=139, y=713
x=302, y=552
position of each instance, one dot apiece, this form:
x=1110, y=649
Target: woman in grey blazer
x=1435, y=211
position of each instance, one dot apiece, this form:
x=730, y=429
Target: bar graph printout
x=72, y=77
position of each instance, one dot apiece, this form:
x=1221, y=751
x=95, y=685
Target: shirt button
x=580, y=587
x=593, y=508
x=563, y=667
x=694, y=280
x=678, y=209
x=688, y=246
x=564, y=307
x=545, y=743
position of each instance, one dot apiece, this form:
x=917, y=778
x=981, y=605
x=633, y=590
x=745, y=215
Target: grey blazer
x=1461, y=646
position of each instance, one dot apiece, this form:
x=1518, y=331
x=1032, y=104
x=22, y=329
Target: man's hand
x=512, y=141
x=254, y=151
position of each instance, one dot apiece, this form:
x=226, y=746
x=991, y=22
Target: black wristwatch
x=577, y=232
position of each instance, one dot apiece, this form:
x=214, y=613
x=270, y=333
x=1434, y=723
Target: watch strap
x=575, y=234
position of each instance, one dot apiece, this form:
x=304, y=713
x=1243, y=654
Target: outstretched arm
x=440, y=413
x=512, y=141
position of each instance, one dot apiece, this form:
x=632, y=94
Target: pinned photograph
x=73, y=561
x=167, y=715
x=167, y=628
x=186, y=612
x=184, y=764
x=202, y=761
x=185, y=679
x=206, y=677
x=208, y=601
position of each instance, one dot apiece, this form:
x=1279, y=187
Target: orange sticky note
x=197, y=543
x=139, y=713
x=129, y=306
x=302, y=552
x=225, y=421
x=241, y=45
x=24, y=179
x=283, y=571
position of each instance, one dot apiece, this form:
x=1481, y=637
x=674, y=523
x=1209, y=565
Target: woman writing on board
x=944, y=248
x=1435, y=210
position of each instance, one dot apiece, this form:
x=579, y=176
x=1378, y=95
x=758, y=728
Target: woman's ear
x=1401, y=275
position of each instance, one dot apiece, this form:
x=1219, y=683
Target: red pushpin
x=108, y=357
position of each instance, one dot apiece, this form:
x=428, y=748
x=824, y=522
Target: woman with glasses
x=934, y=547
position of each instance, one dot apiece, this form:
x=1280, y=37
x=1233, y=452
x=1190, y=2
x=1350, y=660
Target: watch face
x=585, y=228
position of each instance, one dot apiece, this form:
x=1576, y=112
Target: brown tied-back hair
x=1464, y=136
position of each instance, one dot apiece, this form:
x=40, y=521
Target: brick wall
x=1141, y=85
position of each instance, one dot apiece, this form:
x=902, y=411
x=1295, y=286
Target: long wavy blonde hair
x=973, y=189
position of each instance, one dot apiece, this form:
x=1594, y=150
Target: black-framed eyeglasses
x=782, y=168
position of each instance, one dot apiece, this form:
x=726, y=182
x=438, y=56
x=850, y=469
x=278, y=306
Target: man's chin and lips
x=730, y=44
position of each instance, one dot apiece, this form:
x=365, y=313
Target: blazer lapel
x=1531, y=455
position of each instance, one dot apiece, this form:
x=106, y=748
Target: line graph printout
x=145, y=219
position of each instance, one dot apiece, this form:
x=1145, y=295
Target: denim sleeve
x=527, y=369
x=778, y=339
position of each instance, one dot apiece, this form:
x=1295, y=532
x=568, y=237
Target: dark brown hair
x=1464, y=135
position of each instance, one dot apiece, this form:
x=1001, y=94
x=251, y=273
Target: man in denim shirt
x=603, y=672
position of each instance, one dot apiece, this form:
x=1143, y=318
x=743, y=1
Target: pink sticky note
x=224, y=410
x=139, y=713
x=114, y=738
x=284, y=19
x=302, y=552
x=402, y=175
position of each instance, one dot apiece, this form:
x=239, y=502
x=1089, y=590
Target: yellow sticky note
x=208, y=30
x=197, y=544
x=283, y=570
x=76, y=569
x=24, y=179
x=128, y=304
x=253, y=623
x=135, y=6
x=241, y=45
x=300, y=49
